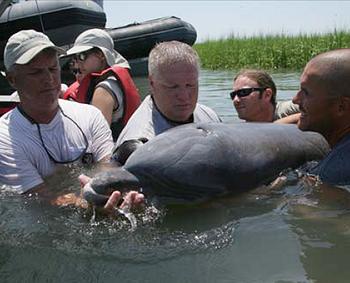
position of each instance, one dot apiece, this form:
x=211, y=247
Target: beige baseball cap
x=99, y=38
x=24, y=45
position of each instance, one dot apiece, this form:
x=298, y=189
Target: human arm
x=103, y=100
x=108, y=97
x=101, y=146
x=291, y=119
x=131, y=199
x=105, y=203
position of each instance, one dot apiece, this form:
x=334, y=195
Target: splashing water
x=125, y=211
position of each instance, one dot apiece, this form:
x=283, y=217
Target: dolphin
x=197, y=162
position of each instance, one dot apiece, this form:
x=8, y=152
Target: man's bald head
x=332, y=70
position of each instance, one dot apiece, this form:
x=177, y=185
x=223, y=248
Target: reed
x=269, y=52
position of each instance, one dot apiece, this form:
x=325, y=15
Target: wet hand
x=131, y=199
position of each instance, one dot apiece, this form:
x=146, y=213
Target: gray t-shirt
x=111, y=85
x=147, y=122
x=284, y=109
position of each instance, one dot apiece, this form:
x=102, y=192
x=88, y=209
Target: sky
x=219, y=19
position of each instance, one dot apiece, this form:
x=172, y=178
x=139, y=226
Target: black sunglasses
x=84, y=55
x=75, y=71
x=245, y=91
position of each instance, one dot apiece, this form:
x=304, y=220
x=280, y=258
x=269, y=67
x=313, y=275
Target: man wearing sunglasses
x=254, y=98
x=43, y=132
x=324, y=101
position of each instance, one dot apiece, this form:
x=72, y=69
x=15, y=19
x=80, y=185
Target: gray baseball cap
x=101, y=39
x=24, y=45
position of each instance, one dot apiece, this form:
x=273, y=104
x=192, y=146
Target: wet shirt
x=24, y=161
x=334, y=169
x=147, y=122
x=284, y=109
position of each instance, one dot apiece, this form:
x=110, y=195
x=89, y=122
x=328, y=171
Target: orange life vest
x=83, y=93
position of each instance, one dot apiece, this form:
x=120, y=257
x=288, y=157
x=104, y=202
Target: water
x=296, y=233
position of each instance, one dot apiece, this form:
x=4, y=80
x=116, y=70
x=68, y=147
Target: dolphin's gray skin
x=198, y=161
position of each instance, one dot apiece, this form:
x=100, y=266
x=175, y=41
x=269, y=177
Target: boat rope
x=40, y=17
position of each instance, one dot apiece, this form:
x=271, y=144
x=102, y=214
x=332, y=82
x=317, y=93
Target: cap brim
x=78, y=49
x=30, y=54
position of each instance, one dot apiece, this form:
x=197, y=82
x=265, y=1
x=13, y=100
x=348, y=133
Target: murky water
x=297, y=233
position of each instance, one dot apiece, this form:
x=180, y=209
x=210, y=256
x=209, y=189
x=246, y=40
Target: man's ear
x=344, y=105
x=151, y=83
x=267, y=94
x=11, y=79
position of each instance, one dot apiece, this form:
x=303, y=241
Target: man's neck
x=336, y=136
x=189, y=120
x=265, y=115
x=42, y=116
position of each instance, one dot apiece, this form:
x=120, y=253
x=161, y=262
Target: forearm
x=291, y=119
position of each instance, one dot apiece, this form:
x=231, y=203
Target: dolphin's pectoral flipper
x=104, y=183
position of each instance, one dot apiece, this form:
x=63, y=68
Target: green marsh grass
x=269, y=52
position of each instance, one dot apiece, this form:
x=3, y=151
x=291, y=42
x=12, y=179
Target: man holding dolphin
x=324, y=101
x=44, y=132
x=173, y=70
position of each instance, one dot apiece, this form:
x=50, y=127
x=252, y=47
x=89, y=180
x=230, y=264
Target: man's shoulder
x=285, y=108
x=143, y=113
x=287, y=105
x=14, y=120
x=203, y=113
x=73, y=106
x=141, y=123
x=335, y=167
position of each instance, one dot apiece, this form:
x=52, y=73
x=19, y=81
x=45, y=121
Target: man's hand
x=131, y=199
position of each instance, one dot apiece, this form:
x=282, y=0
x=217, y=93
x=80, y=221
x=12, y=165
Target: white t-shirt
x=23, y=159
x=148, y=122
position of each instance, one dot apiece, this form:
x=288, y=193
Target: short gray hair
x=171, y=52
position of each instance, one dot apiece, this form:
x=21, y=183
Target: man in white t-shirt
x=44, y=131
x=173, y=69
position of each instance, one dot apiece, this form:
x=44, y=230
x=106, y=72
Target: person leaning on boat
x=43, y=131
x=173, y=69
x=324, y=101
x=254, y=97
x=106, y=81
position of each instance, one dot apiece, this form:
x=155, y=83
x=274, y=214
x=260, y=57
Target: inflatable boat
x=64, y=20
x=135, y=41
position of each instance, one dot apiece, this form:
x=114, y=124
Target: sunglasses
x=84, y=55
x=75, y=71
x=245, y=91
